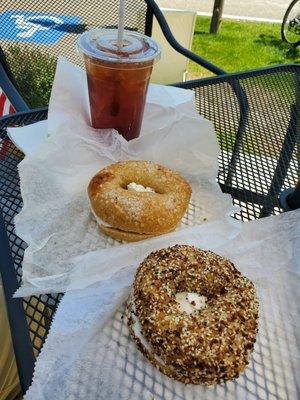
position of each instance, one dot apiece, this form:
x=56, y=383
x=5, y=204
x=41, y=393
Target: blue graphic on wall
x=34, y=27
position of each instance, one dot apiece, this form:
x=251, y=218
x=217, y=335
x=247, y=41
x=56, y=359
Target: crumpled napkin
x=89, y=355
x=29, y=138
x=65, y=249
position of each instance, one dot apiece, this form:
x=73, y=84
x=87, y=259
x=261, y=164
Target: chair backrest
x=33, y=33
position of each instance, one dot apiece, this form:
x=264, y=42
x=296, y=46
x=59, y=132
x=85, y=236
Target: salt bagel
x=138, y=213
x=207, y=345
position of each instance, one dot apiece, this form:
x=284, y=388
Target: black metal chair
x=256, y=125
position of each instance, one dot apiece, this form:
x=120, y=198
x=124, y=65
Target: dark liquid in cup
x=117, y=94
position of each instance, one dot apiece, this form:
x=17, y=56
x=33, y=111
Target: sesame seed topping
x=210, y=345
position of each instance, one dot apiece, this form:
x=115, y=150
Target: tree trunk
x=217, y=15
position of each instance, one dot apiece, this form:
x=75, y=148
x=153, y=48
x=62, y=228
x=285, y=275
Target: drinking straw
x=121, y=24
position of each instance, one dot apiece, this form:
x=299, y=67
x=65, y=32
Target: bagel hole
x=190, y=302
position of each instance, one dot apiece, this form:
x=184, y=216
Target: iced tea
x=117, y=95
x=118, y=78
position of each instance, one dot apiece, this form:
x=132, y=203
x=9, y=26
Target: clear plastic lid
x=101, y=44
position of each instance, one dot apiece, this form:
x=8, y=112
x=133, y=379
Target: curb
x=242, y=18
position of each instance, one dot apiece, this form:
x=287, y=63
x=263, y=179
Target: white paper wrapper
x=66, y=250
x=30, y=137
x=89, y=355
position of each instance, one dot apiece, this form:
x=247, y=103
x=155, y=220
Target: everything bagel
x=193, y=315
x=134, y=214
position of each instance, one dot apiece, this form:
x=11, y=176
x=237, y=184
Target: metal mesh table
x=259, y=137
x=259, y=141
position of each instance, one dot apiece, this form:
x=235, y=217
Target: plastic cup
x=118, y=78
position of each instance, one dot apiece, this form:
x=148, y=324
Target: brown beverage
x=117, y=95
x=118, y=79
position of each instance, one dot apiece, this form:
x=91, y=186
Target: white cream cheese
x=190, y=302
x=99, y=220
x=139, y=188
x=136, y=326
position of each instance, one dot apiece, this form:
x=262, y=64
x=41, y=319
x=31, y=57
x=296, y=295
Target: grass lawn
x=240, y=45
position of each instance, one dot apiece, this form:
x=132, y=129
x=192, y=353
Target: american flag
x=5, y=105
x=5, y=108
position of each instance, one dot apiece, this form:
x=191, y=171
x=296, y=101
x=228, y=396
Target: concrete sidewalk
x=265, y=9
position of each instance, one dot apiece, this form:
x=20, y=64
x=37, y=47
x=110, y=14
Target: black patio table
x=256, y=118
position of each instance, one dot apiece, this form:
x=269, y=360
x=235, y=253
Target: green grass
x=240, y=45
x=34, y=72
